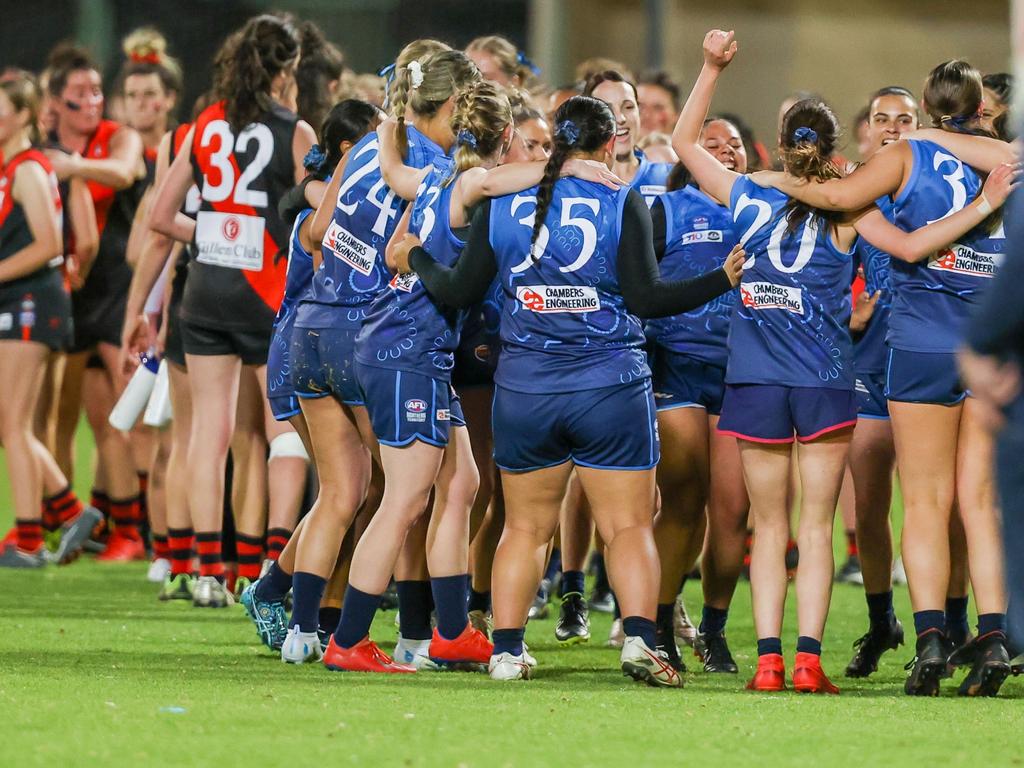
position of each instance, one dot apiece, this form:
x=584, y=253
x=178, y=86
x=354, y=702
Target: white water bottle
x=158, y=409
x=136, y=395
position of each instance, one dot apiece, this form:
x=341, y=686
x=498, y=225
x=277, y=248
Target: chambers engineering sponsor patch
x=558, y=298
x=404, y=282
x=350, y=249
x=772, y=296
x=964, y=260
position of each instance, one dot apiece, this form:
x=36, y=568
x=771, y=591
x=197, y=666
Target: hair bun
x=145, y=45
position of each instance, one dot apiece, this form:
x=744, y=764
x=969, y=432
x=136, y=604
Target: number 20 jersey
x=365, y=215
x=791, y=325
x=933, y=297
x=564, y=324
x=236, y=280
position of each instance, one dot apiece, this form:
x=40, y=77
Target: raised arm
x=515, y=177
x=882, y=175
x=715, y=178
x=979, y=152
x=31, y=188
x=403, y=180
x=646, y=294
x=119, y=170
x=924, y=242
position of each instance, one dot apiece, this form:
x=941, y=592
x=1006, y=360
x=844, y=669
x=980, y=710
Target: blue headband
x=466, y=138
x=568, y=131
x=805, y=134
x=524, y=61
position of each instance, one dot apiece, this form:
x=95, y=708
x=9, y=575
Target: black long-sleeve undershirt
x=646, y=295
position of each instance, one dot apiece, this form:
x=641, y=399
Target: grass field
x=95, y=671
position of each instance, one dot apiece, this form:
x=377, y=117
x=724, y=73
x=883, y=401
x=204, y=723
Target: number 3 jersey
x=405, y=329
x=791, y=325
x=564, y=324
x=365, y=215
x=236, y=281
x=933, y=297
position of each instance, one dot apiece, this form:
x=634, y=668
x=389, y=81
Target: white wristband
x=984, y=206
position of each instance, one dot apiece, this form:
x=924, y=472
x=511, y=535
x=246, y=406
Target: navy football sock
x=479, y=601
x=806, y=644
x=572, y=581
x=414, y=609
x=880, y=610
x=356, y=617
x=712, y=620
x=450, y=604
x=273, y=586
x=638, y=626
x=307, y=591
x=508, y=641
x=927, y=621
x=769, y=645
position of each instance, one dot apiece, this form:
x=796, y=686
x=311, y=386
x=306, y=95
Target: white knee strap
x=287, y=446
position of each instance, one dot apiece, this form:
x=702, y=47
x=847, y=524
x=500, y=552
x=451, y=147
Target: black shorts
x=97, y=319
x=475, y=358
x=36, y=310
x=252, y=346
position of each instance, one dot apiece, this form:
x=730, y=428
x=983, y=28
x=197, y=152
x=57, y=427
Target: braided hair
x=481, y=114
x=582, y=124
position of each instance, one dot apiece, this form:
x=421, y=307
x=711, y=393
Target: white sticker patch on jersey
x=350, y=249
x=964, y=260
x=771, y=296
x=404, y=282
x=703, y=236
x=231, y=240
x=558, y=298
x=6, y=321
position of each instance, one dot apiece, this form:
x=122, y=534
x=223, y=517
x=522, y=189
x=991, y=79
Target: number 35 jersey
x=236, y=281
x=564, y=324
x=791, y=325
x=933, y=297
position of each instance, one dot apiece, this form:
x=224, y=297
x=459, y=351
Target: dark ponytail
x=810, y=134
x=953, y=96
x=248, y=62
x=582, y=124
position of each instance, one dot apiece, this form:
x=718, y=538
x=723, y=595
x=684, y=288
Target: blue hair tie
x=522, y=59
x=466, y=138
x=388, y=73
x=314, y=159
x=805, y=134
x=568, y=131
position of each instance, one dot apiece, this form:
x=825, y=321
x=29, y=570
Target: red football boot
x=122, y=548
x=364, y=656
x=471, y=647
x=770, y=675
x=10, y=540
x=809, y=677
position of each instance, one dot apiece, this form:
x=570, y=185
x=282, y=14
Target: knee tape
x=287, y=446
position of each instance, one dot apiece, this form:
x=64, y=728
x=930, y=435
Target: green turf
x=95, y=671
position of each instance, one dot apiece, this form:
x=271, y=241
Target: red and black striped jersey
x=236, y=280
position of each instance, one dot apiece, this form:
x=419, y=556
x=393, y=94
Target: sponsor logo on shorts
x=771, y=296
x=443, y=414
x=558, y=298
x=859, y=386
x=404, y=282
x=350, y=249
x=6, y=321
x=704, y=236
x=964, y=260
x=415, y=410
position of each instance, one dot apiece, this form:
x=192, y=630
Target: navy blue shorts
x=923, y=377
x=681, y=381
x=609, y=428
x=770, y=413
x=871, y=402
x=284, y=406
x=280, y=392
x=323, y=364
x=406, y=406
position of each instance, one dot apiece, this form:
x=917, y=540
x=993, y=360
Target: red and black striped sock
x=250, y=555
x=143, y=494
x=277, y=539
x=161, y=549
x=181, y=545
x=49, y=518
x=124, y=513
x=63, y=506
x=100, y=501
x=30, y=534
x=211, y=562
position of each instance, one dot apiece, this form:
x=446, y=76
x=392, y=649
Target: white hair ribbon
x=416, y=73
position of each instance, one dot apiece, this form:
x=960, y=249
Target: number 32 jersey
x=564, y=324
x=791, y=325
x=236, y=281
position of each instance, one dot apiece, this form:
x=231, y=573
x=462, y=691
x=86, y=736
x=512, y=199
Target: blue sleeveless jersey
x=791, y=325
x=298, y=282
x=698, y=238
x=869, y=351
x=365, y=216
x=933, y=298
x=564, y=323
x=651, y=178
x=405, y=329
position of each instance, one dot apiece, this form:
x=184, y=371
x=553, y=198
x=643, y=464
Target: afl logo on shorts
x=415, y=410
x=231, y=228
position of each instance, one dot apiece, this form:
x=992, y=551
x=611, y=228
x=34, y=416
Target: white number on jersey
x=221, y=160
